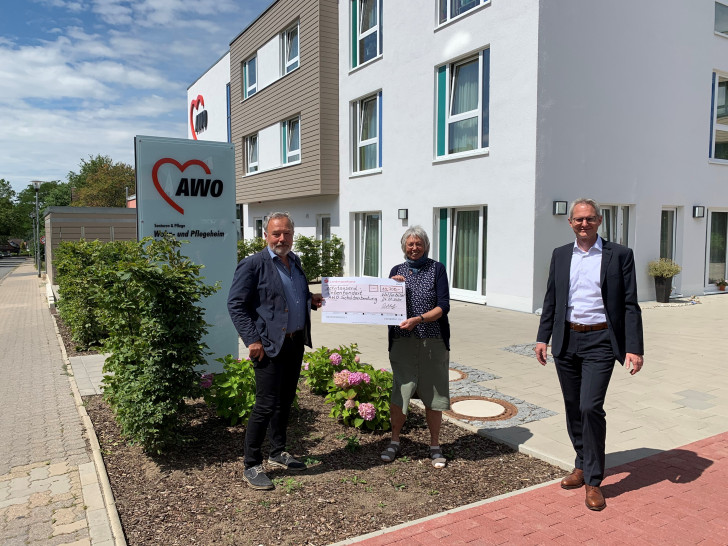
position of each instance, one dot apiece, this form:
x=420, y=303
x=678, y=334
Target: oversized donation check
x=363, y=300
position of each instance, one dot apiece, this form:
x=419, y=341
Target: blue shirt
x=295, y=291
x=585, y=305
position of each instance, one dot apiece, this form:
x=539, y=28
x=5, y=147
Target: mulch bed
x=195, y=494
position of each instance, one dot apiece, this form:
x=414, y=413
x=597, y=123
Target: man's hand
x=635, y=361
x=255, y=351
x=540, y=350
x=317, y=300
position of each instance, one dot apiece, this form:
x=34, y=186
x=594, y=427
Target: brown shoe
x=574, y=480
x=594, y=498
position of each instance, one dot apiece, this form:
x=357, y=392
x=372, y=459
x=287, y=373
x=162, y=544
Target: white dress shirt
x=585, y=289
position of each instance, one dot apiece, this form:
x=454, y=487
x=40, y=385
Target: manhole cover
x=480, y=408
x=456, y=375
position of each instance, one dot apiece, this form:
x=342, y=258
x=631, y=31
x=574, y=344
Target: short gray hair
x=276, y=216
x=419, y=233
x=585, y=201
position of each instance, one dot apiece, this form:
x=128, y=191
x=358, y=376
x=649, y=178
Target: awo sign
x=198, y=116
x=186, y=188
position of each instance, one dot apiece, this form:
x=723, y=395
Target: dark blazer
x=257, y=304
x=619, y=293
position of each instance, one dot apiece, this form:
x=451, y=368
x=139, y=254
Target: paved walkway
x=667, y=443
x=50, y=492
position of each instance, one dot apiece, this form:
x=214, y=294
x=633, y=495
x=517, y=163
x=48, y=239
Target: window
x=719, y=118
x=615, y=224
x=721, y=18
x=463, y=93
x=367, y=138
x=366, y=30
x=291, y=131
x=718, y=250
x=367, y=227
x=252, y=153
x=258, y=227
x=250, y=78
x=449, y=9
x=462, y=248
x=290, y=50
x=323, y=227
x=667, y=234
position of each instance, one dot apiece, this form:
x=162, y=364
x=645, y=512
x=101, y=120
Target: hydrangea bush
x=232, y=392
x=359, y=394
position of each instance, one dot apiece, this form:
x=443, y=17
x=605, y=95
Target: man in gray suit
x=269, y=304
x=590, y=313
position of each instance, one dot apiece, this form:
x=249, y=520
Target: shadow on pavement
x=655, y=466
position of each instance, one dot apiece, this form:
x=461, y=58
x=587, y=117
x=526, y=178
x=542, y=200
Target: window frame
x=251, y=167
x=715, y=30
x=715, y=106
x=357, y=36
x=448, y=7
x=445, y=118
x=250, y=89
x=288, y=155
x=288, y=66
x=358, y=126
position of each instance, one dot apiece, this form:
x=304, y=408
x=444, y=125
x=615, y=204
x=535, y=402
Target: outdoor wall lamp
x=402, y=214
x=559, y=208
x=698, y=211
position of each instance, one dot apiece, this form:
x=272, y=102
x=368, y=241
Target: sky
x=80, y=78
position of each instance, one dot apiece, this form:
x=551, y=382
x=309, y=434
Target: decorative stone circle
x=456, y=375
x=480, y=408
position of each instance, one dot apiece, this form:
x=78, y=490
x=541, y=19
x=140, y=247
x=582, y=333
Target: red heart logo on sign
x=182, y=168
x=194, y=105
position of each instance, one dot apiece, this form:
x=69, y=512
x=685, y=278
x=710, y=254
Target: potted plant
x=721, y=284
x=663, y=270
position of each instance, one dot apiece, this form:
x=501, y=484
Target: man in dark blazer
x=269, y=304
x=590, y=313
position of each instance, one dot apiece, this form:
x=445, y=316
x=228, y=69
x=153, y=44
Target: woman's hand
x=399, y=278
x=410, y=323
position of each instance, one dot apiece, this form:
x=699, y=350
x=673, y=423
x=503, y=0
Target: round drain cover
x=456, y=375
x=481, y=408
x=478, y=408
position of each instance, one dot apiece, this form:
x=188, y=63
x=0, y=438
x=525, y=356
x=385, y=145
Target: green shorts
x=422, y=366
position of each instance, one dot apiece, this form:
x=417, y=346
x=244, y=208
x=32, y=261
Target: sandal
x=437, y=458
x=389, y=454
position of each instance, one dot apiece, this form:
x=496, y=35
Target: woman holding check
x=419, y=348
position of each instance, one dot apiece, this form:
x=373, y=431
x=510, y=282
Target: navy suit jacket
x=257, y=303
x=619, y=293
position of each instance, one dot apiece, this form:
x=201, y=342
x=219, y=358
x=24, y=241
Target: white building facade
x=208, y=103
x=474, y=118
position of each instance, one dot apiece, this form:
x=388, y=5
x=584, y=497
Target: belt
x=587, y=327
x=293, y=334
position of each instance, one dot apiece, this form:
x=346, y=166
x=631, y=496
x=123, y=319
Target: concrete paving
x=51, y=485
x=666, y=426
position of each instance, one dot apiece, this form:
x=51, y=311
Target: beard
x=281, y=250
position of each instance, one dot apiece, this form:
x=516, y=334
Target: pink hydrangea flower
x=357, y=377
x=305, y=366
x=341, y=379
x=357, y=359
x=335, y=359
x=206, y=380
x=350, y=404
x=367, y=411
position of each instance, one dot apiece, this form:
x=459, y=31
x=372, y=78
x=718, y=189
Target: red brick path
x=673, y=497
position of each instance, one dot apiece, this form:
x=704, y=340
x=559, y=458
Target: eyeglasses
x=589, y=220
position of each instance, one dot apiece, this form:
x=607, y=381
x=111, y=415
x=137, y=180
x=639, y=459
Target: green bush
x=231, y=393
x=664, y=267
x=251, y=246
x=320, y=258
x=149, y=301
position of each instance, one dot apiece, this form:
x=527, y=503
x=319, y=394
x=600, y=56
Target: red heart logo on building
x=182, y=168
x=194, y=105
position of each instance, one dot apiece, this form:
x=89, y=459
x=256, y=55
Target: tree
x=7, y=210
x=102, y=183
x=50, y=194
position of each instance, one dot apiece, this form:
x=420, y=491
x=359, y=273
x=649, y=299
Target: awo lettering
x=199, y=187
